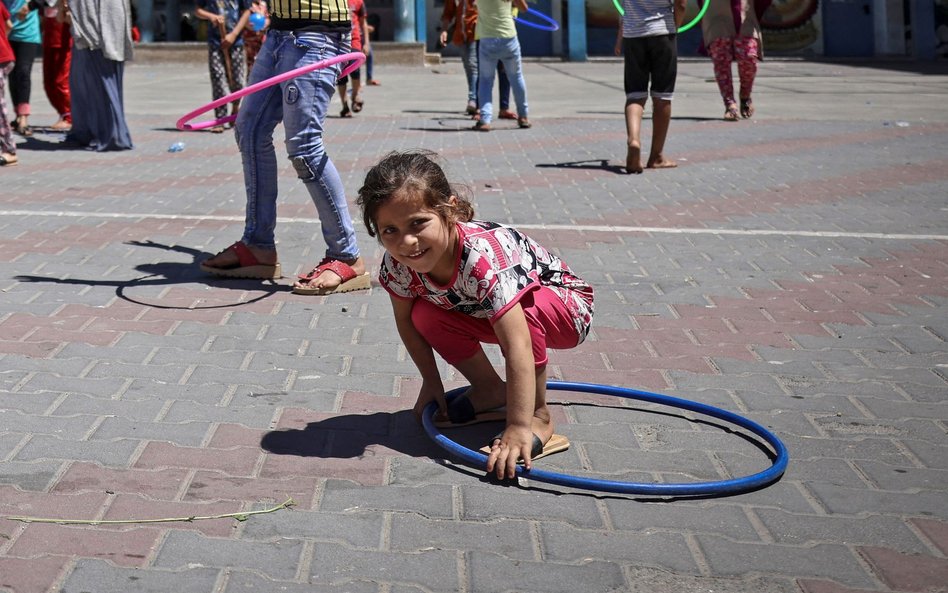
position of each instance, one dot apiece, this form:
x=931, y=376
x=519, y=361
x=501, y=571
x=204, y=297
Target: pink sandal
x=350, y=280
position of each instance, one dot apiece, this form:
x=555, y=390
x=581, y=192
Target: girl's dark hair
x=415, y=172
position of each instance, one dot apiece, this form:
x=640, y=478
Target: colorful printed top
x=357, y=12
x=310, y=15
x=231, y=9
x=496, y=266
x=6, y=52
x=646, y=18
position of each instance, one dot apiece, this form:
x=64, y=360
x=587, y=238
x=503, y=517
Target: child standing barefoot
x=647, y=37
x=456, y=283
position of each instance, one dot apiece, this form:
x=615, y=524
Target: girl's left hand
x=516, y=443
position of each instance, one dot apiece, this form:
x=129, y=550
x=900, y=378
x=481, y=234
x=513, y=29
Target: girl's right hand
x=430, y=393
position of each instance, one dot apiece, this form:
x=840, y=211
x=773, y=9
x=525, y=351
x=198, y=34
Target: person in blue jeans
x=497, y=41
x=301, y=103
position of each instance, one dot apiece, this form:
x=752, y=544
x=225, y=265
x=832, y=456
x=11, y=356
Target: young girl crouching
x=456, y=283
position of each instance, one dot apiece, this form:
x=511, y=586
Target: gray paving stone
x=247, y=582
x=889, y=477
x=278, y=559
x=147, y=390
x=835, y=562
x=134, y=410
x=116, y=453
x=429, y=501
x=33, y=476
x=71, y=427
x=431, y=570
x=681, y=517
x=493, y=573
x=104, y=577
x=850, y=501
x=510, y=538
x=649, y=547
x=187, y=434
x=359, y=530
x=28, y=403
x=253, y=416
x=867, y=530
x=480, y=504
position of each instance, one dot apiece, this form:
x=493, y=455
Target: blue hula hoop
x=715, y=488
x=552, y=26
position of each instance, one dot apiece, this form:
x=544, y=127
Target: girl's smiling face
x=418, y=236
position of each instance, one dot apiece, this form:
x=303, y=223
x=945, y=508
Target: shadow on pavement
x=170, y=273
x=602, y=164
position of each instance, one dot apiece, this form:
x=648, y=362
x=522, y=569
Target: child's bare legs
x=661, y=118
x=346, y=112
x=633, y=126
x=542, y=423
x=487, y=390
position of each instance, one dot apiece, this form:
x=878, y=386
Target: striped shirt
x=310, y=15
x=646, y=18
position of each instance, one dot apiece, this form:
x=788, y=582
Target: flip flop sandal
x=350, y=280
x=730, y=113
x=248, y=266
x=357, y=105
x=557, y=444
x=6, y=161
x=747, y=108
x=461, y=413
x=345, y=112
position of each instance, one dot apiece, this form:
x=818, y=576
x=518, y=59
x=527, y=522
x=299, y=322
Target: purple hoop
x=356, y=57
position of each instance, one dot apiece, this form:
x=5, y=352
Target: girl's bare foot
x=660, y=162
x=633, y=159
x=487, y=397
x=327, y=280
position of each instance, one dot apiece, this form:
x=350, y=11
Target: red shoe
x=506, y=114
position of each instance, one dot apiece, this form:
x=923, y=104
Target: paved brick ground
x=794, y=269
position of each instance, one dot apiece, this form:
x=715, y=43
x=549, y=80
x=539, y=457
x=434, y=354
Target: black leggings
x=24, y=53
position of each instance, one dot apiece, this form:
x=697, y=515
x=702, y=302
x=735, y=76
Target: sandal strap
x=341, y=269
x=245, y=257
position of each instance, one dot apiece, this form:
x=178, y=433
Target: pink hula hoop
x=355, y=57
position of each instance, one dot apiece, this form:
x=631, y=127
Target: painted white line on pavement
x=542, y=227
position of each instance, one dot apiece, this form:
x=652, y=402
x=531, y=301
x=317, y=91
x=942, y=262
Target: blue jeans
x=489, y=51
x=469, y=60
x=301, y=103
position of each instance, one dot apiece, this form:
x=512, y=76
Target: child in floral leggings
x=731, y=31
x=745, y=50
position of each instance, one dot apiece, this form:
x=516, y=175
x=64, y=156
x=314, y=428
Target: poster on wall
x=788, y=26
x=941, y=29
x=792, y=27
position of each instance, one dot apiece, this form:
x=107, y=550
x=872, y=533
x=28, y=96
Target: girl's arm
x=521, y=4
x=680, y=7
x=232, y=36
x=513, y=334
x=365, y=31
x=207, y=15
x=432, y=389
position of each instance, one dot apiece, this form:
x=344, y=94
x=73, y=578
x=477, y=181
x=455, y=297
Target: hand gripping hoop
x=716, y=488
x=686, y=26
x=551, y=25
x=355, y=57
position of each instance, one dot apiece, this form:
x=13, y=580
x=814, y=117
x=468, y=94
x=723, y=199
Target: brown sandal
x=730, y=112
x=747, y=108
